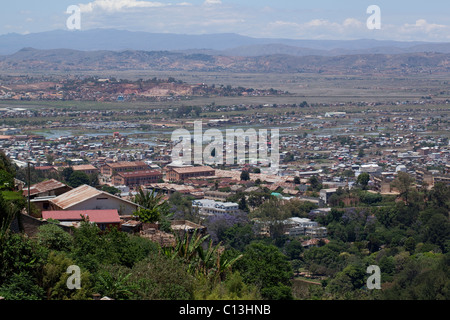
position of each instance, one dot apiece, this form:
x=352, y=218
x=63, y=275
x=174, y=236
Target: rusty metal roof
x=84, y=167
x=77, y=195
x=44, y=186
x=147, y=173
x=193, y=169
x=127, y=164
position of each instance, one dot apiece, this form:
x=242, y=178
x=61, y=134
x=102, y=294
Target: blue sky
x=318, y=19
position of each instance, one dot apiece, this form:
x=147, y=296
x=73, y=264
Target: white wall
x=124, y=208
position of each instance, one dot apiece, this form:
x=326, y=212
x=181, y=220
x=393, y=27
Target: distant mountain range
x=74, y=61
x=109, y=50
x=211, y=44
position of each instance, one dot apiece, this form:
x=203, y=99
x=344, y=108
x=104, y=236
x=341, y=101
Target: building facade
x=207, y=207
x=137, y=178
x=109, y=169
x=180, y=174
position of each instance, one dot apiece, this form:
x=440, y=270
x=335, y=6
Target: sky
x=400, y=20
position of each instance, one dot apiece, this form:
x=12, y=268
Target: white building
x=316, y=232
x=299, y=226
x=325, y=194
x=207, y=207
x=370, y=168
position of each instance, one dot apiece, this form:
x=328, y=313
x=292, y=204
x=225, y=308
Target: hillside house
x=88, y=198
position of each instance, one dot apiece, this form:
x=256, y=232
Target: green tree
x=6, y=180
x=93, y=248
x=20, y=255
x=437, y=230
x=53, y=237
x=314, y=184
x=440, y=195
x=293, y=249
x=351, y=278
x=238, y=236
x=21, y=286
x=55, y=276
x=151, y=200
x=243, y=204
x=267, y=268
x=6, y=164
x=113, y=282
x=148, y=215
x=111, y=190
x=233, y=288
x=66, y=173
x=245, y=176
x=9, y=210
x=363, y=180
x=78, y=178
x=272, y=214
x=160, y=278
x=403, y=184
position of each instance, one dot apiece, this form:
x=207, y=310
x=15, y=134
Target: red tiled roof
x=45, y=168
x=97, y=216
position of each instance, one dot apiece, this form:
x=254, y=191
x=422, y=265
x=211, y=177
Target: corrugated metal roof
x=147, y=173
x=126, y=164
x=80, y=194
x=44, y=186
x=193, y=169
x=77, y=195
x=84, y=167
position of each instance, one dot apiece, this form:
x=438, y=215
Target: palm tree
x=115, y=287
x=153, y=206
x=151, y=200
x=208, y=262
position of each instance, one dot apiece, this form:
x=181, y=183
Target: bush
x=54, y=238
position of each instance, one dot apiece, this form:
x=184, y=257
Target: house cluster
x=335, y=147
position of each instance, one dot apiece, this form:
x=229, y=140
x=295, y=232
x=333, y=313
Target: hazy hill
x=214, y=44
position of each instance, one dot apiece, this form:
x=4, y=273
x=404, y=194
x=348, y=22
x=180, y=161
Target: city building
x=109, y=169
x=136, y=178
x=207, y=207
x=180, y=174
x=325, y=194
x=86, y=168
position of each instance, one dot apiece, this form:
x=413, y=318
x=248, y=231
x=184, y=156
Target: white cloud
x=318, y=28
x=214, y=16
x=422, y=24
x=212, y=2
x=119, y=5
x=353, y=23
x=422, y=30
